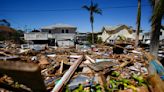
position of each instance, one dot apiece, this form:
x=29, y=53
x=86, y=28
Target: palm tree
x=93, y=8
x=138, y=23
x=156, y=19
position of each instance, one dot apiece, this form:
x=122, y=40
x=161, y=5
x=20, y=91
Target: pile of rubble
x=96, y=69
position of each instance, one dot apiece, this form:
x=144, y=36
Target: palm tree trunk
x=154, y=41
x=92, y=33
x=138, y=23
x=92, y=20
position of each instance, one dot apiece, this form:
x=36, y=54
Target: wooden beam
x=90, y=59
x=66, y=77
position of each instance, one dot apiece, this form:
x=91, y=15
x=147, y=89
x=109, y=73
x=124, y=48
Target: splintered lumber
x=24, y=73
x=66, y=77
x=61, y=67
x=118, y=46
x=124, y=63
x=43, y=60
x=101, y=66
x=90, y=59
x=101, y=79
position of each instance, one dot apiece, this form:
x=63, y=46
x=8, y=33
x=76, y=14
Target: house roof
x=4, y=22
x=6, y=29
x=115, y=29
x=109, y=28
x=58, y=26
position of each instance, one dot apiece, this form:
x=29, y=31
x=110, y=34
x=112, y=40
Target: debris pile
x=84, y=69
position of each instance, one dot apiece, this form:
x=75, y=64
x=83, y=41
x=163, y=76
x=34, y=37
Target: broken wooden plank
x=66, y=77
x=100, y=66
x=101, y=79
x=61, y=67
x=118, y=46
x=90, y=59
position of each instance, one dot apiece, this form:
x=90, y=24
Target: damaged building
x=62, y=35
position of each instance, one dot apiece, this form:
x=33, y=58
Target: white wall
x=123, y=32
x=147, y=37
x=63, y=43
x=36, y=36
x=46, y=36
x=104, y=36
x=65, y=36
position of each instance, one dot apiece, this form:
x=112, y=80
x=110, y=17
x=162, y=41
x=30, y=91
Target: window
x=62, y=31
x=160, y=33
x=49, y=31
x=66, y=31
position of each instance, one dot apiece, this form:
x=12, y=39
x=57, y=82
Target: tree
x=138, y=23
x=99, y=40
x=156, y=20
x=89, y=38
x=93, y=8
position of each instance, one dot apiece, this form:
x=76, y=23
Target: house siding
x=104, y=36
x=147, y=36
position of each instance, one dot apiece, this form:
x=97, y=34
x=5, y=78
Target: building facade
x=113, y=33
x=58, y=34
x=147, y=36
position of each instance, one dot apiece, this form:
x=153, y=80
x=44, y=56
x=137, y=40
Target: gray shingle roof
x=109, y=28
x=58, y=26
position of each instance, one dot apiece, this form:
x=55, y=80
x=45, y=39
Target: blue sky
x=30, y=14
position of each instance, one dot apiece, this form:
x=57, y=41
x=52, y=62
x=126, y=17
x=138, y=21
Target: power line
x=130, y=6
x=78, y=9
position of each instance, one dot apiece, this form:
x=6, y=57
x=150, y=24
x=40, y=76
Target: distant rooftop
x=58, y=26
x=4, y=22
x=110, y=28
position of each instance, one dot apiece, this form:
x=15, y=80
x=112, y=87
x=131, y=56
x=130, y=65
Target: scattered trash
x=89, y=68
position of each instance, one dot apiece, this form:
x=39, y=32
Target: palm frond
x=152, y=2
x=95, y=6
x=86, y=7
x=98, y=11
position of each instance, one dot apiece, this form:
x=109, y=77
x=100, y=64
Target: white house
x=81, y=38
x=60, y=34
x=147, y=36
x=112, y=33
